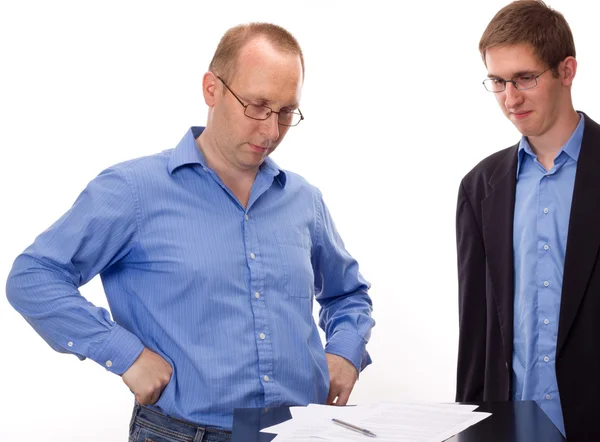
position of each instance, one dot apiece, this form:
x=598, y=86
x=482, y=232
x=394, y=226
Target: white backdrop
x=395, y=116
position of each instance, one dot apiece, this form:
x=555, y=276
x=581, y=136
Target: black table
x=510, y=422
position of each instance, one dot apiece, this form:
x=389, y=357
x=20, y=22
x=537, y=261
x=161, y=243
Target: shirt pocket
x=294, y=251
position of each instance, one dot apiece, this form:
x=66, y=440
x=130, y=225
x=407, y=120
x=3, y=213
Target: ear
x=568, y=70
x=209, y=88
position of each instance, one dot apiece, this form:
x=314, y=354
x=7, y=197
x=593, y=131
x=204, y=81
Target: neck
x=218, y=162
x=548, y=144
x=238, y=180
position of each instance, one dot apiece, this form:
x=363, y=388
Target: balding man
x=210, y=256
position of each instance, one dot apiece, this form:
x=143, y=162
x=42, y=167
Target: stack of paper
x=389, y=421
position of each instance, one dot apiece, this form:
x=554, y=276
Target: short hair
x=228, y=49
x=534, y=23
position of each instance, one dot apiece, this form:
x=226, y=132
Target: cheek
x=247, y=125
x=500, y=99
x=240, y=130
x=282, y=131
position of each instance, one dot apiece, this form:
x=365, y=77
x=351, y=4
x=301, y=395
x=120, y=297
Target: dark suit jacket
x=484, y=226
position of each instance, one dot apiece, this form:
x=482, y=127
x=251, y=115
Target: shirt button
x=546, y=246
x=546, y=358
x=546, y=210
x=257, y=295
x=246, y=217
x=546, y=283
x=266, y=378
x=109, y=364
x=546, y=321
x=70, y=344
x=262, y=336
x=205, y=169
x=548, y=397
x=252, y=255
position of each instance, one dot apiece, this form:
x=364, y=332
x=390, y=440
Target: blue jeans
x=151, y=426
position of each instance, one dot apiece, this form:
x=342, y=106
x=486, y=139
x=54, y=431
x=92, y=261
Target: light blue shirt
x=541, y=221
x=223, y=293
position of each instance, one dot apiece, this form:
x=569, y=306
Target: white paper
x=390, y=421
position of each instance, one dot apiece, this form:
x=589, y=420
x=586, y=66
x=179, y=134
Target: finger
x=331, y=396
x=144, y=399
x=343, y=397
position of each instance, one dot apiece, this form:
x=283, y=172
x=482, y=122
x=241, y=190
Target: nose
x=512, y=96
x=270, y=127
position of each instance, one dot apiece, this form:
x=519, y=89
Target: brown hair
x=534, y=23
x=225, y=58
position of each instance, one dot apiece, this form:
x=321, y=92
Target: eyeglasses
x=285, y=117
x=520, y=82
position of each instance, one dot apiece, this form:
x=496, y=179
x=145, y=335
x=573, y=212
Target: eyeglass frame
x=271, y=111
x=514, y=82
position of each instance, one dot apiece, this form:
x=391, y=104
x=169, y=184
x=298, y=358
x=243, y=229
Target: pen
x=353, y=428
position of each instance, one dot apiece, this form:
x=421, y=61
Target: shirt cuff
x=350, y=346
x=120, y=350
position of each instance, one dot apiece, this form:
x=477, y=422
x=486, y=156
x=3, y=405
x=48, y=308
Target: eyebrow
x=265, y=102
x=516, y=74
x=291, y=106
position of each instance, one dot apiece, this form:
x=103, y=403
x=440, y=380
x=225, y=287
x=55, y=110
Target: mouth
x=520, y=115
x=256, y=148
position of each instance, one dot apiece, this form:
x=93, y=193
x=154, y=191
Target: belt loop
x=199, y=434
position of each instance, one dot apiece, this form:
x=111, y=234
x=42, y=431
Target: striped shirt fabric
x=541, y=222
x=224, y=293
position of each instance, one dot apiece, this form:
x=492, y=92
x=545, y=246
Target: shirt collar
x=187, y=152
x=572, y=147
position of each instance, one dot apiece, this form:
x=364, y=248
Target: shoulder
x=485, y=169
x=591, y=129
x=297, y=183
x=144, y=168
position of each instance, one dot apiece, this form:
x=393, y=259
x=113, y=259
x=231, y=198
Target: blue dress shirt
x=223, y=293
x=541, y=221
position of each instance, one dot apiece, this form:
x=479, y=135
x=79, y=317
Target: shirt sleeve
x=342, y=292
x=44, y=282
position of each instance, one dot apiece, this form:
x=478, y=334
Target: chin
x=524, y=129
x=525, y=132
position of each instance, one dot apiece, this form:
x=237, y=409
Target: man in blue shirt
x=528, y=233
x=210, y=256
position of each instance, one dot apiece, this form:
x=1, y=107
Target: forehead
x=507, y=61
x=266, y=73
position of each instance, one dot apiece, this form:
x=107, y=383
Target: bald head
x=224, y=62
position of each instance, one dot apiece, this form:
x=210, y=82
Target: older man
x=210, y=256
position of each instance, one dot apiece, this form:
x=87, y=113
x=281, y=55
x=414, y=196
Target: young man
x=528, y=233
x=210, y=256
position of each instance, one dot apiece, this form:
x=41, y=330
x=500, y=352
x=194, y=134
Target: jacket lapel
x=497, y=212
x=583, y=239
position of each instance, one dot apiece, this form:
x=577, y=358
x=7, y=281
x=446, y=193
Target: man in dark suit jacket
x=528, y=233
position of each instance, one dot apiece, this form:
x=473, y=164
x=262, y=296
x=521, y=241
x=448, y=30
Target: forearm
x=49, y=300
x=347, y=323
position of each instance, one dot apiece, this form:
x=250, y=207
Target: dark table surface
x=510, y=422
